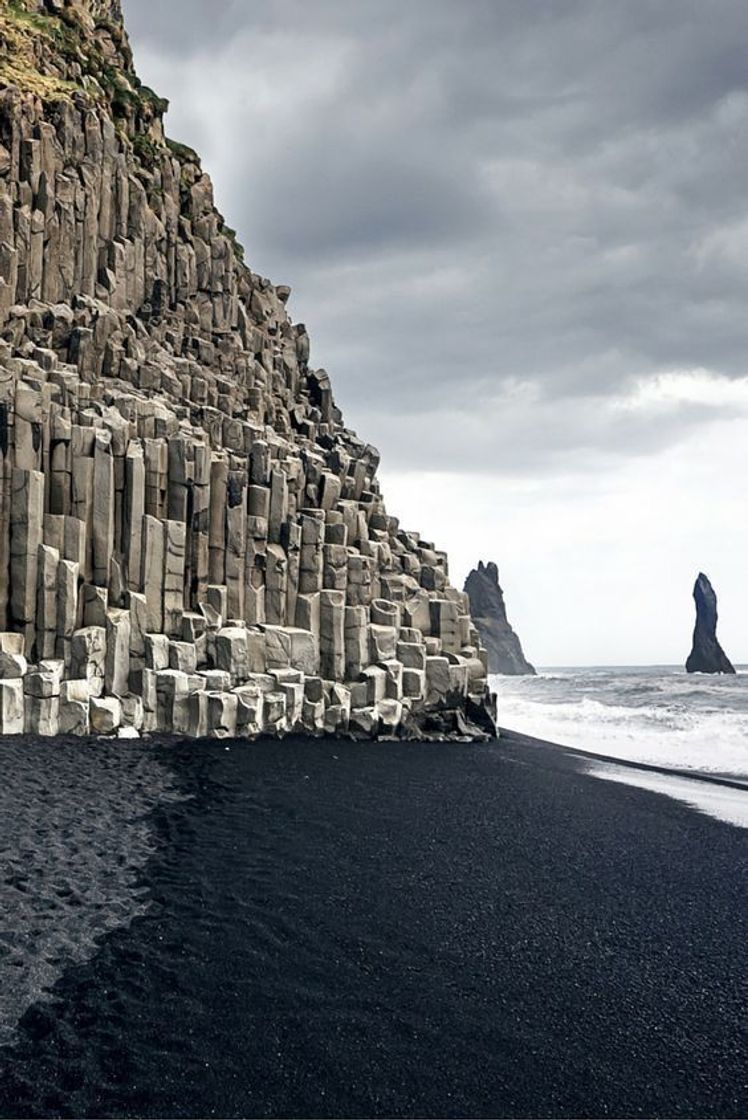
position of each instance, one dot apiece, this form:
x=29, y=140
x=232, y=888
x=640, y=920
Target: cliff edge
x=707, y=655
x=488, y=612
x=191, y=540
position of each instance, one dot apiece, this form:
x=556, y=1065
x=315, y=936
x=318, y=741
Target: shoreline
x=510, y=735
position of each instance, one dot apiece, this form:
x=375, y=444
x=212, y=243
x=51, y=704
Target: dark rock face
x=707, y=655
x=488, y=612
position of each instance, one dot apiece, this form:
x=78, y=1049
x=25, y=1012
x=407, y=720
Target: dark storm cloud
x=473, y=196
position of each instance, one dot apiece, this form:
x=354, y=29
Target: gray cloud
x=473, y=197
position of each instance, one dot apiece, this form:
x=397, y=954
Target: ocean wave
x=664, y=720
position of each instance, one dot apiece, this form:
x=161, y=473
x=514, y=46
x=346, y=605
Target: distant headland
x=488, y=612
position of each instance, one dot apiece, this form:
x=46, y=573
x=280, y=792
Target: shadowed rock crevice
x=707, y=655
x=488, y=612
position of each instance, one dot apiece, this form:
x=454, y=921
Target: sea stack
x=707, y=655
x=488, y=612
x=191, y=540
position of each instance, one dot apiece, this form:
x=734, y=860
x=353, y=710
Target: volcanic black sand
x=327, y=929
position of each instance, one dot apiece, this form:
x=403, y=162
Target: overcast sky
x=518, y=233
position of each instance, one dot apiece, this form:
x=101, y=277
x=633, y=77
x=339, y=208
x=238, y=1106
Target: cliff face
x=707, y=655
x=488, y=612
x=190, y=538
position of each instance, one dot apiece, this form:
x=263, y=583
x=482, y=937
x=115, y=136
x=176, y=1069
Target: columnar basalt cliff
x=488, y=612
x=707, y=655
x=190, y=539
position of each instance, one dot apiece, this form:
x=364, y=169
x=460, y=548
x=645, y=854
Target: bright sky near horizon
x=517, y=231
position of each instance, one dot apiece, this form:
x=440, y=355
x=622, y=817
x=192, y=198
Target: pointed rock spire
x=707, y=655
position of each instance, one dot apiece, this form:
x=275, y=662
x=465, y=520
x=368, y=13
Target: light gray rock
x=414, y=683
x=26, y=518
x=412, y=656
x=13, y=666
x=12, y=643
x=74, y=708
x=95, y=605
x=197, y=707
x=68, y=574
x=249, y=712
x=292, y=647
x=105, y=714
x=232, y=652
x=390, y=714
x=156, y=651
x=274, y=714
x=133, y=712
x=382, y=643
x=376, y=684
x=384, y=613
x=172, y=692
x=12, y=712
x=88, y=657
x=117, y=663
x=437, y=679
x=356, y=642
x=364, y=722
x=43, y=715
x=43, y=684
x=294, y=694
x=183, y=656
x=222, y=714
x=175, y=537
x=152, y=571
x=394, y=679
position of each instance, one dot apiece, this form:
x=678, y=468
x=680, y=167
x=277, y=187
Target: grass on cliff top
x=20, y=30
x=21, y=33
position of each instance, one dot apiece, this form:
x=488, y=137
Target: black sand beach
x=364, y=930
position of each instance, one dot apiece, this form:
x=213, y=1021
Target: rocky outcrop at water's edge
x=707, y=655
x=488, y=612
x=191, y=540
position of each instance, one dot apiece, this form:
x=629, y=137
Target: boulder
x=12, y=711
x=232, y=652
x=117, y=662
x=105, y=714
x=74, y=708
x=88, y=657
x=43, y=715
x=223, y=710
x=292, y=647
x=13, y=666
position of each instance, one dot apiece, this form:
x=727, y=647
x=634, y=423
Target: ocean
x=657, y=714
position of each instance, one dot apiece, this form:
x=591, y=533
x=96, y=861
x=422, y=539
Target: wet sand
x=326, y=929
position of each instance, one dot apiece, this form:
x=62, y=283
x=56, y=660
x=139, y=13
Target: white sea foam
x=658, y=715
x=722, y=802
